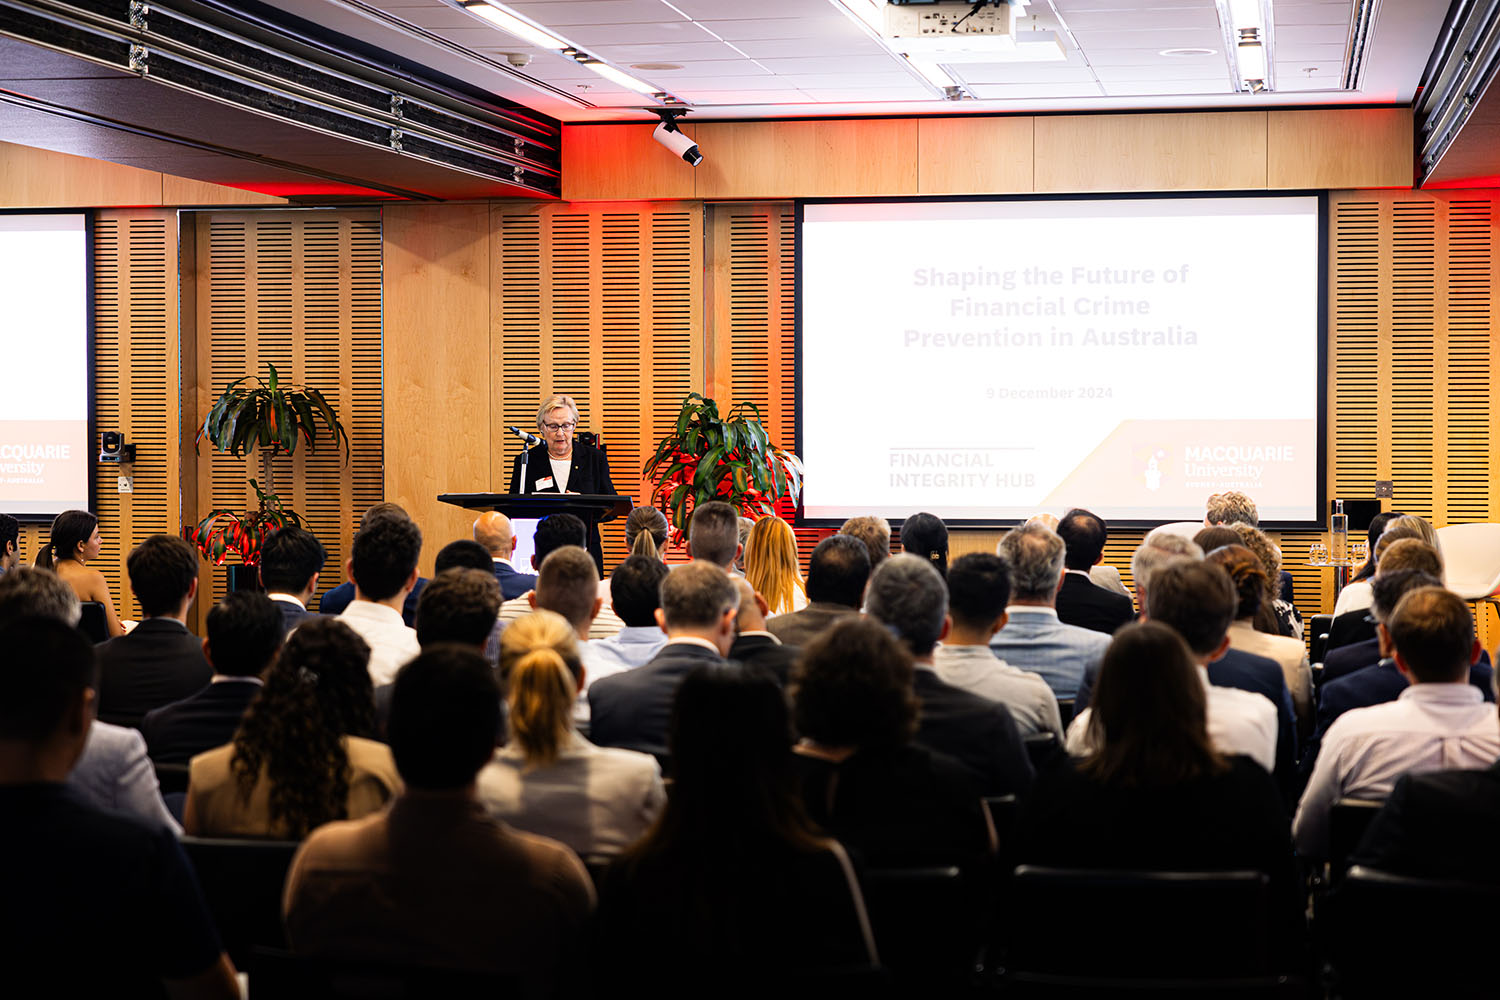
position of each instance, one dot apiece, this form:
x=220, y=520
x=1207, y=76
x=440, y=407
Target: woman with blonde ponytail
x=548, y=779
x=646, y=533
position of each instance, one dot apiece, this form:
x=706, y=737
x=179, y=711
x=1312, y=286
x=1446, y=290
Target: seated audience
x=633, y=709
x=336, y=600
x=1353, y=627
x=492, y=530
x=1155, y=789
x=635, y=592
x=1034, y=638
x=1375, y=530
x=462, y=610
x=908, y=596
x=1280, y=617
x=1356, y=596
x=245, y=632
x=432, y=881
x=1249, y=577
x=1216, y=537
x=1197, y=600
x=926, y=537
x=383, y=568
x=75, y=541
x=552, y=533
x=836, y=578
x=160, y=661
x=771, y=566
x=646, y=532
x=714, y=535
x=1082, y=602
x=745, y=524
x=753, y=645
x=733, y=877
x=978, y=591
x=1232, y=508
x=1439, y=722
x=875, y=532
x=98, y=903
x=887, y=800
x=10, y=540
x=291, y=561
x=302, y=757
x=548, y=779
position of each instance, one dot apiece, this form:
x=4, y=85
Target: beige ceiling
x=788, y=58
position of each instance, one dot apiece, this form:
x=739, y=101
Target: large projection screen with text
x=44, y=329
x=987, y=360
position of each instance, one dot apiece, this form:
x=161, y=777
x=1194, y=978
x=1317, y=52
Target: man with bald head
x=493, y=531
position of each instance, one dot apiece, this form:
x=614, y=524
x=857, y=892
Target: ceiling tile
x=704, y=10
x=710, y=97
x=668, y=52
x=1033, y=91
x=638, y=34
x=1022, y=73
x=569, y=12
x=1311, y=13
x=1169, y=38
x=838, y=81
x=1150, y=87
x=1144, y=19
x=1139, y=57
x=1308, y=53
x=788, y=48
x=1312, y=34
x=1070, y=7
x=831, y=64
x=1209, y=69
x=785, y=27
x=438, y=15
x=687, y=80
x=913, y=92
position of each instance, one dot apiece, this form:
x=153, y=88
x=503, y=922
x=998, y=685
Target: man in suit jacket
x=633, y=709
x=492, y=530
x=753, y=645
x=290, y=562
x=907, y=595
x=245, y=632
x=1081, y=602
x=159, y=661
x=836, y=578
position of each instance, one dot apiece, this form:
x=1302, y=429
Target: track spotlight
x=670, y=136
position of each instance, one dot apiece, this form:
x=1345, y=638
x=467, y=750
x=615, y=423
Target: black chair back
x=928, y=924
x=173, y=778
x=280, y=975
x=1317, y=630
x=1043, y=749
x=242, y=882
x=1347, y=822
x=1065, y=709
x=93, y=622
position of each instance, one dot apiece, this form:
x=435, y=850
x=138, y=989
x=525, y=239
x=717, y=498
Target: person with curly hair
x=1280, y=618
x=771, y=566
x=1249, y=576
x=303, y=756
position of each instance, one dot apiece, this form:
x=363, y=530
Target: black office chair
x=928, y=923
x=1043, y=749
x=1318, y=629
x=173, y=778
x=281, y=975
x=1065, y=709
x=1347, y=822
x=242, y=882
x=93, y=622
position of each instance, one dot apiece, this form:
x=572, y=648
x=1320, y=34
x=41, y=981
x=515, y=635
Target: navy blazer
x=766, y=653
x=633, y=709
x=293, y=614
x=1262, y=675
x=975, y=731
x=178, y=732
x=513, y=583
x=1090, y=606
x=156, y=663
x=589, y=474
x=336, y=600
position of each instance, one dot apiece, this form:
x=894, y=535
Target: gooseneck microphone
x=528, y=438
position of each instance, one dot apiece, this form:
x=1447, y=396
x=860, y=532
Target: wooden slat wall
x=302, y=291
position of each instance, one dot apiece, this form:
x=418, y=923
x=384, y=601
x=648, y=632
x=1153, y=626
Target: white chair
x=1471, y=561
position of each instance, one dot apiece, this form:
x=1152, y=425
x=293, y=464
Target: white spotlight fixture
x=668, y=134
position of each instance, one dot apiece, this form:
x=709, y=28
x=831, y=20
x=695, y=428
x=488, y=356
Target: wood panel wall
x=41, y=178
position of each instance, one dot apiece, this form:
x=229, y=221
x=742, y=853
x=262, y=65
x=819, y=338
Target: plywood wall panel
x=975, y=155
x=41, y=178
x=1211, y=151
x=622, y=161
x=1327, y=148
x=807, y=159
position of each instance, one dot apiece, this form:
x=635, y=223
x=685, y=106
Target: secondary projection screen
x=44, y=330
x=986, y=360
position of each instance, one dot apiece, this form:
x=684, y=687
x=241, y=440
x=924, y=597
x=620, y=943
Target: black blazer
x=155, y=664
x=977, y=732
x=177, y=732
x=633, y=709
x=589, y=474
x=1090, y=606
x=765, y=653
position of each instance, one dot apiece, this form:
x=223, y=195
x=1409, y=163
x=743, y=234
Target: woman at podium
x=561, y=464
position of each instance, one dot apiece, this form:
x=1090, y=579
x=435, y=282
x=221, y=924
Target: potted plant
x=730, y=458
x=268, y=417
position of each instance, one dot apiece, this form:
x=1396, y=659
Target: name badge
x=545, y=483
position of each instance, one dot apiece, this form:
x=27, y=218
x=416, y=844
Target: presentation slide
x=44, y=408
x=990, y=360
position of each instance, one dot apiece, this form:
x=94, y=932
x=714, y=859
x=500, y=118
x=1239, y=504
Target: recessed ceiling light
x=659, y=67
x=1172, y=53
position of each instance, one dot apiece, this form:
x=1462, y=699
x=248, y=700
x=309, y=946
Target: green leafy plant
x=729, y=458
x=266, y=417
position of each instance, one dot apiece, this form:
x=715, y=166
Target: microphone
x=528, y=438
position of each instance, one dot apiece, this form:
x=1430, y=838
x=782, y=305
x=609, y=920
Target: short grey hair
x=556, y=402
x=696, y=595
x=29, y=592
x=1036, y=555
x=1159, y=548
x=906, y=594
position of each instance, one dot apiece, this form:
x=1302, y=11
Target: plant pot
x=243, y=578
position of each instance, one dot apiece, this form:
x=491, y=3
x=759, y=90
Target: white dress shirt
x=393, y=643
x=606, y=623
x=1356, y=596
x=1238, y=722
x=631, y=647
x=977, y=669
x=1290, y=655
x=1430, y=727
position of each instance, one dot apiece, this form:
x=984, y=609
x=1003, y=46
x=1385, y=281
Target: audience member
x=754, y=646
x=908, y=596
x=432, y=881
x=291, y=560
x=10, y=540
x=1280, y=617
x=383, y=567
x=1249, y=577
x=646, y=532
x=98, y=903
x=492, y=530
x=1232, y=507
x=160, y=661
x=461, y=553
x=336, y=600
x=926, y=537
x=554, y=532
x=745, y=524
x=1198, y=601
x=1356, y=596
x=1156, y=789
x=1216, y=537
x=302, y=756
x=771, y=566
x=1402, y=552
x=459, y=605
x=245, y=632
x=836, y=578
x=73, y=543
x=1082, y=602
x=887, y=800
x=978, y=592
x=1034, y=638
x=733, y=830
x=635, y=592
x=875, y=532
x=633, y=709
x=1440, y=721
x=28, y=592
x=1372, y=535
x=1156, y=550
x=714, y=535
x=547, y=778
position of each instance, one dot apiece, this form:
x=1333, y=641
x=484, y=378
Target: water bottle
x=1338, y=539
